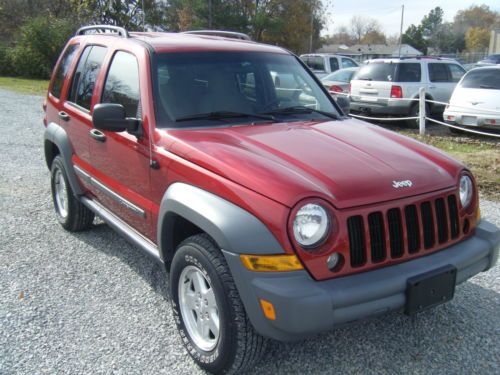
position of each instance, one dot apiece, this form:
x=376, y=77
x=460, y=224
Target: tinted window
x=409, y=72
x=376, y=72
x=62, y=70
x=438, y=73
x=190, y=84
x=315, y=62
x=85, y=75
x=348, y=63
x=334, y=64
x=456, y=72
x=482, y=79
x=122, y=83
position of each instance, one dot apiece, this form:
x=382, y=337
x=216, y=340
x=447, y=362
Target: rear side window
x=315, y=62
x=376, y=72
x=348, y=63
x=482, y=79
x=85, y=75
x=409, y=72
x=334, y=64
x=122, y=83
x=456, y=72
x=438, y=73
x=62, y=70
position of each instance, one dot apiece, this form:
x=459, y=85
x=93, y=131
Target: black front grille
x=405, y=229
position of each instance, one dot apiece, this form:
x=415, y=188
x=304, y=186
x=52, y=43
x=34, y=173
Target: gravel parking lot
x=90, y=303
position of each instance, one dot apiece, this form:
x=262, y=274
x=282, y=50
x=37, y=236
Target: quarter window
x=62, y=70
x=88, y=68
x=122, y=83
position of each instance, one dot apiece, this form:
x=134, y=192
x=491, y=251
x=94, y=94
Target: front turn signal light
x=271, y=263
x=268, y=309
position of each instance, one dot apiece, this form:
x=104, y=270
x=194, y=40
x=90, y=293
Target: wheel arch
x=186, y=210
x=56, y=142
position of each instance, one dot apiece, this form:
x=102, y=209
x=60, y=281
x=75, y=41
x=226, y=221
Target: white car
x=325, y=63
x=476, y=99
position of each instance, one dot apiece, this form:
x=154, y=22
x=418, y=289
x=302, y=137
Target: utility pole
x=401, y=29
x=210, y=14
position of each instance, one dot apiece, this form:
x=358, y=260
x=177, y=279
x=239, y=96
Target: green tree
x=415, y=38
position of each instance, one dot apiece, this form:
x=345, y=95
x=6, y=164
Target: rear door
x=75, y=111
x=443, y=77
x=372, y=81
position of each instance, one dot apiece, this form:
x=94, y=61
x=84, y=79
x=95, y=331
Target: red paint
x=268, y=170
x=396, y=92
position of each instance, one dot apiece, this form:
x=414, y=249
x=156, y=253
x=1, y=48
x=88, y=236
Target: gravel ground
x=90, y=303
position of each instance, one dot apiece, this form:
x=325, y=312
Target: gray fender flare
x=233, y=229
x=55, y=134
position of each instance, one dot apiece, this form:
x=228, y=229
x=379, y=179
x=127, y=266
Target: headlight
x=465, y=191
x=311, y=225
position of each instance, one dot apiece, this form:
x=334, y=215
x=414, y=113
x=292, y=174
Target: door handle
x=432, y=87
x=98, y=135
x=63, y=116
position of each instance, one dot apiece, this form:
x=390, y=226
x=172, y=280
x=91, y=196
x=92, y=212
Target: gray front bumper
x=304, y=306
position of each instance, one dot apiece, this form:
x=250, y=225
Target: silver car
x=338, y=82
x=380, y=86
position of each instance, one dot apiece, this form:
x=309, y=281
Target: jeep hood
x=347, y=162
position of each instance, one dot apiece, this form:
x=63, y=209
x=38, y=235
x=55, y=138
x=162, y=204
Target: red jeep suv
x=276, y=215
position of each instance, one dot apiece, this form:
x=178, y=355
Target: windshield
x=377, y=71
x=342, y=75
x=220, y=88
x=482, y=79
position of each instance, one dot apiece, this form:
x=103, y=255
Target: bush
x=6, y=68
x=39, y=45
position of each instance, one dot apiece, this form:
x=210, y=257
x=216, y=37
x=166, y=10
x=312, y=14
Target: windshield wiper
x=298, y=109
x=219, y=115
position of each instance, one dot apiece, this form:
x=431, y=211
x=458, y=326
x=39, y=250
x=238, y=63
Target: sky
x=388, y=12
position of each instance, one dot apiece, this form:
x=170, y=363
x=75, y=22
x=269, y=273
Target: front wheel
x=208, y=311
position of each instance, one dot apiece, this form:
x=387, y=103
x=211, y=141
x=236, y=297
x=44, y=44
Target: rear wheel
x=415, y=112
x=70, y=212
x=208, y=311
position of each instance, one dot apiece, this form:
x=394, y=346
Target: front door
x=120, y=161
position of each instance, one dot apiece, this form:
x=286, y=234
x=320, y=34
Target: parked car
x=274, y=220
x=378, y=87
x=490, y=60
x=475, y=99
x=339, y=81
x=324, y=63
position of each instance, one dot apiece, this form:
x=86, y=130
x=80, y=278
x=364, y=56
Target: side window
x=85, y=75
x=409, y=72
x=316, y=63
x=62, y=70
x=334, y=64
x=348, y=63
x=438, y=72
x=456, y=72
x=122, y=83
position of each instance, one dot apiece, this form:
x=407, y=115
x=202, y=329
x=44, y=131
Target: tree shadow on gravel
x=458, y=337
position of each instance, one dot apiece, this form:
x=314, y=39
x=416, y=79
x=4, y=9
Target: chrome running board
x=123, y=228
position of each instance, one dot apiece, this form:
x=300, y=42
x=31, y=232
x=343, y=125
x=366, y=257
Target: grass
x=481, y=155
x=24, y=85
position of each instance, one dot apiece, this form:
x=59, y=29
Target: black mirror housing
x=344, y=103
x=111, y=117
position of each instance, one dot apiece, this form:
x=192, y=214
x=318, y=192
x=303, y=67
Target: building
x=361, y=52
x=494, y=42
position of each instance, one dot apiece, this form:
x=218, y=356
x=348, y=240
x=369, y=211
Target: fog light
x=333, y=261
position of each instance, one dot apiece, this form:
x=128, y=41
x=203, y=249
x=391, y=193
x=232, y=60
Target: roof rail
x=225, y=34
x=101, y=29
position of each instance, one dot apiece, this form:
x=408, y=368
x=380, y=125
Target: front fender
x=234, y=229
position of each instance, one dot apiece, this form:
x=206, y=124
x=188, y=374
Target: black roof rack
x=102, y=29
x=226, y=34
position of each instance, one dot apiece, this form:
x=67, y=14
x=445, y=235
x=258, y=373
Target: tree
x=477, y=39
x=362, y=26
x=476, y=16
x=415, y=38
x=373, y=37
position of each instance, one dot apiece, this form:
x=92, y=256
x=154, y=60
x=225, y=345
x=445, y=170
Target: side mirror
x=344, y=103
x=111, y=117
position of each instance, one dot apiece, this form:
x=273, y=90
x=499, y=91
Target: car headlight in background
x=465, y=191
x=311, y=225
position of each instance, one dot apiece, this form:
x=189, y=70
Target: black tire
x=415, y=111
x=238, y=347
x=76, y=217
